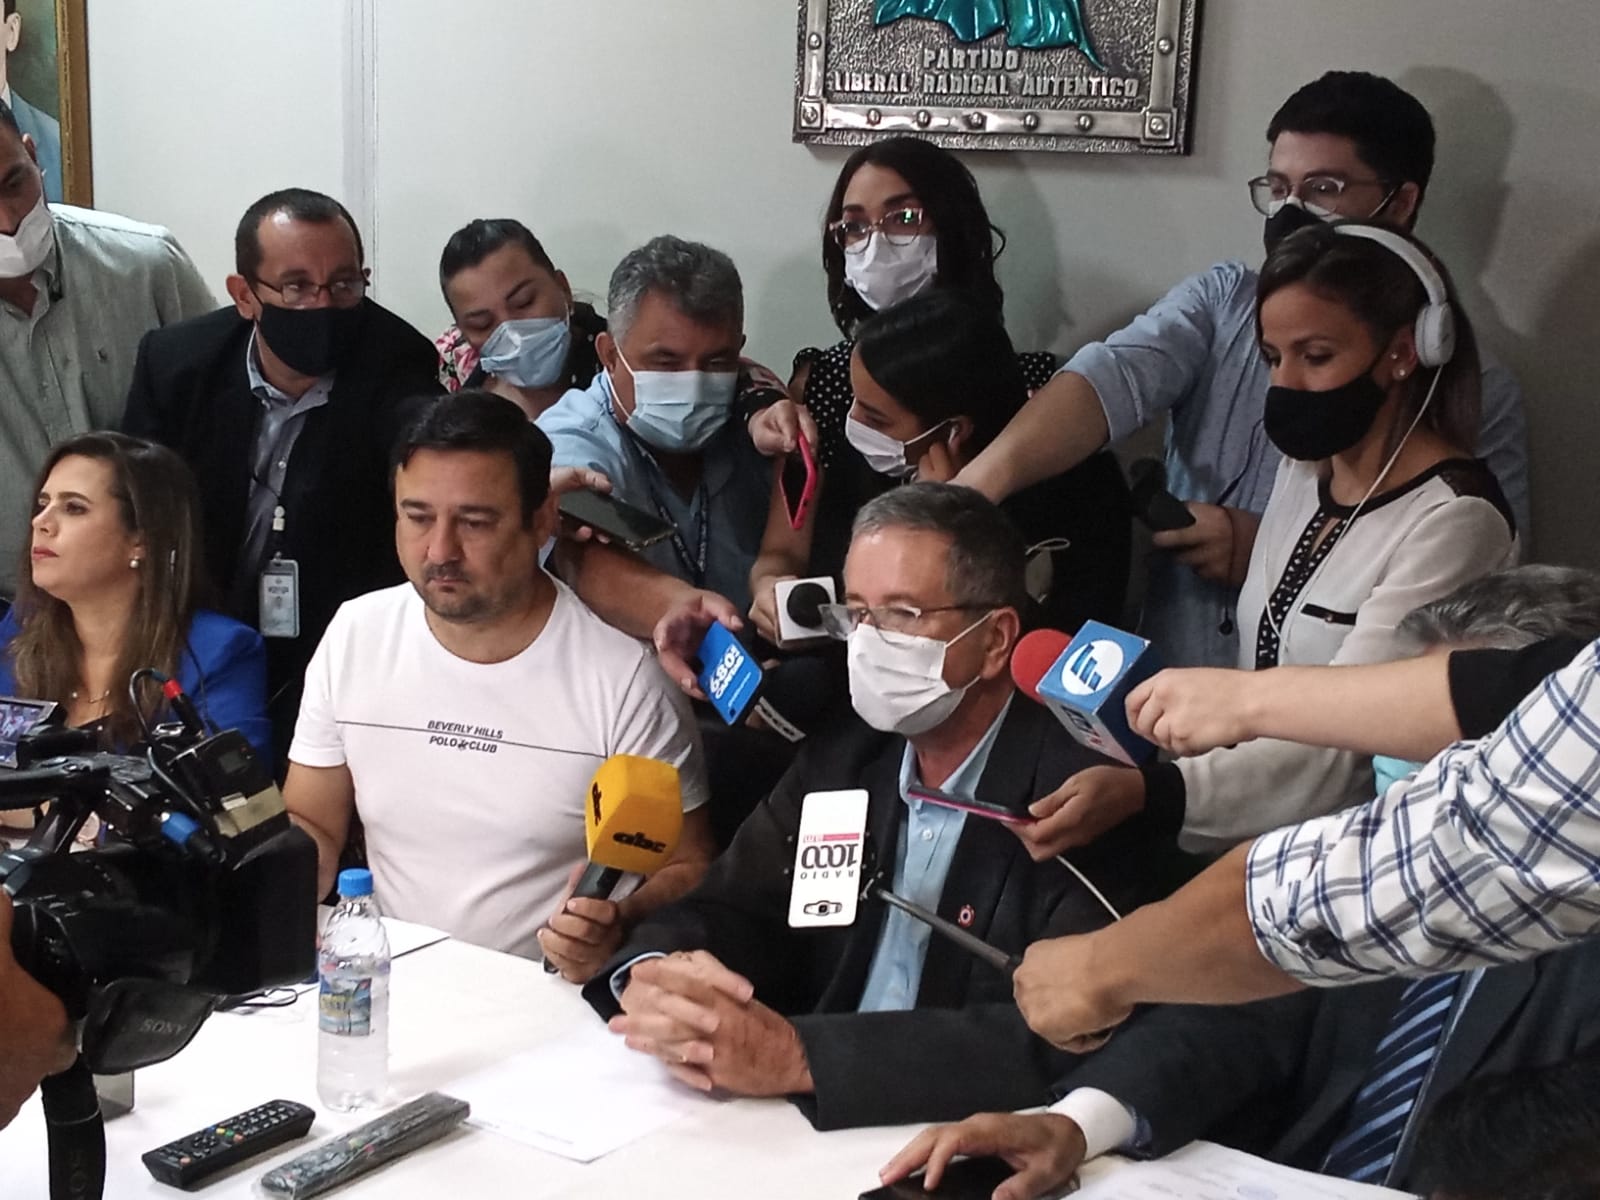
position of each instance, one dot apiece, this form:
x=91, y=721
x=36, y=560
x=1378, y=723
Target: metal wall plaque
x=1092, y=76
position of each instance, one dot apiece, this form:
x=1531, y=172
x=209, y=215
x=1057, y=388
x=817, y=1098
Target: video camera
x=201, y=888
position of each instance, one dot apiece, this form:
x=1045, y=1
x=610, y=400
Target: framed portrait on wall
x=44, y=80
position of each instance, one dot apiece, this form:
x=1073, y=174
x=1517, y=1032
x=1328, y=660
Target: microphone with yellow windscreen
x=632, y=821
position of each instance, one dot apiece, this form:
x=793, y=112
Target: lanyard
x=695, y=566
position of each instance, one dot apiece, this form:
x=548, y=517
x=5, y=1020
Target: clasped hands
x=704, y=1023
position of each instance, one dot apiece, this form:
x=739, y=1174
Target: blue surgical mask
x=1388, y=771
x=529, y=352
x=679, y=411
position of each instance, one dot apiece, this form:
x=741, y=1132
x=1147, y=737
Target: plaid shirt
x=1490, y=855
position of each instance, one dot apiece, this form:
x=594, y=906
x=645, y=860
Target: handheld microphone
x=800, y=604
x=1085, y=681
x=797, y=694
x=830, y=854
x=1158, y=508
x=631, y=822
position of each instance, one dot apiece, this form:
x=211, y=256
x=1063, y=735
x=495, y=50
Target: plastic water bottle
x=353, y=1000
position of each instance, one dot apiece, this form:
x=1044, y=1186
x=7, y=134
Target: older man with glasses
x=286, y=405
x=880, y=1021
x=1346, y=145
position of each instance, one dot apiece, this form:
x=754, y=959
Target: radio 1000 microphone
x=1085, y=682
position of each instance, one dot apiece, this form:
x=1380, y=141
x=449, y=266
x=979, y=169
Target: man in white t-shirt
x=464, y=714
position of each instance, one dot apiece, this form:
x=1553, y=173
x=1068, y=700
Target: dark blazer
x=1277, y=1078
x=191, y=391
x=965, y=1047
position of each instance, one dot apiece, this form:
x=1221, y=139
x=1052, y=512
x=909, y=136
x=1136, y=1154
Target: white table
x=456, y=1008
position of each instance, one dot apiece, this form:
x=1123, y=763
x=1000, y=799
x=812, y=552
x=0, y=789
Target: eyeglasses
x=899, y=226
x=1319, y=193
x=342, y=293
x=840, y=620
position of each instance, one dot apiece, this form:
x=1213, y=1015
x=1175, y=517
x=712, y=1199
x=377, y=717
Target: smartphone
x=622, y=523
x=728, y=674
x=978, y=808
x=799, y=482
x=964, y=1179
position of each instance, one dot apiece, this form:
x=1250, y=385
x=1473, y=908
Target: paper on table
x=581, y=1097
x=1205, y=1171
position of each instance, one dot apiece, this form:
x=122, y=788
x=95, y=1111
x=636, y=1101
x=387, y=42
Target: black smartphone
x=1158, y=508
x=622, y=523
x=964, y=1179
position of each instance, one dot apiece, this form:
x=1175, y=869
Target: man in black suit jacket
x=292, y=399
x=1279, y=1077
x=876, y=1023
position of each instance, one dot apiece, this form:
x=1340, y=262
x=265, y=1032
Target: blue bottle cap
x=355, y=881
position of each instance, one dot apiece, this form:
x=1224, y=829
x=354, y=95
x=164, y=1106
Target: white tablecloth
x=454, y=1009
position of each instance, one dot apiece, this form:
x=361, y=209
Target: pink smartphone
x=978, y=808
x=799, y=482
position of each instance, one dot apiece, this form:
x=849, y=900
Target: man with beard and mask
x=427, y=709
x=658, y=420
x=78, y=289
x=882, y=1022
x=286, y=406
x=1348, y=145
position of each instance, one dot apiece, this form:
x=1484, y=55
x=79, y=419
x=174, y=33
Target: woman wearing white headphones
x=1377, y=509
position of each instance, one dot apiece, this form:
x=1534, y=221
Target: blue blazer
x=223, y=668
x=45, y=131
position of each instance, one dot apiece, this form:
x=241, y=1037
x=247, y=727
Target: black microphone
x=804, y=603
x=1158, y=508
x=798, y=693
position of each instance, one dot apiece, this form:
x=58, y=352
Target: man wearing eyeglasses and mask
x=286, y=406
x=883, y=1022
x=1348, y=145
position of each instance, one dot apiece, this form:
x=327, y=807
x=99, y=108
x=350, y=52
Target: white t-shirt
x=471, y=778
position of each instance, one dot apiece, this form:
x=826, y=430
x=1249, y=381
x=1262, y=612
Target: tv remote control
x=190, y=1161
x=342, y=1158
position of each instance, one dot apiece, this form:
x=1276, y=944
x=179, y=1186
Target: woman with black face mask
x=1377, y=509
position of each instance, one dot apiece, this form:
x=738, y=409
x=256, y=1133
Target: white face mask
x=679, y=411
x=884, y=274
x=22, y=253
x=884, y=454
x=897, y=679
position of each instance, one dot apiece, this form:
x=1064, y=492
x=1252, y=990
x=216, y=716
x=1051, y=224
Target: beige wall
x=601, y=124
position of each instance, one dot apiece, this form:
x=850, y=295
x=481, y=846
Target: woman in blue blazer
x=114, y=580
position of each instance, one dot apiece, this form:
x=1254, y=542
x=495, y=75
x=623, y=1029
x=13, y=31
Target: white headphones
x=1435, y=330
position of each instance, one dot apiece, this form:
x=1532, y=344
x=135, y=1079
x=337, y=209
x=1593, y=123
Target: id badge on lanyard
x=279, y=606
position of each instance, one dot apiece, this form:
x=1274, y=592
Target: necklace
x=100, y=699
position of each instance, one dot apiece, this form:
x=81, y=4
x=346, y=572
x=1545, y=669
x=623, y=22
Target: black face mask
x=1285, y=221
x=311, y=341
x=1311, y=426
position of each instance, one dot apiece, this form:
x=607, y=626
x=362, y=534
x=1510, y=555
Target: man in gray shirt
x=1347, y=145
x=78, y=289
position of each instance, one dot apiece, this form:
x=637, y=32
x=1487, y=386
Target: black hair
x=10, y=7
x=476, y=240
x=968, y=241
x=1526, y=1135
x=942, y=355
x=477, y=420
x=1392, y=131
x=1384, y=293
x=301, y=205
